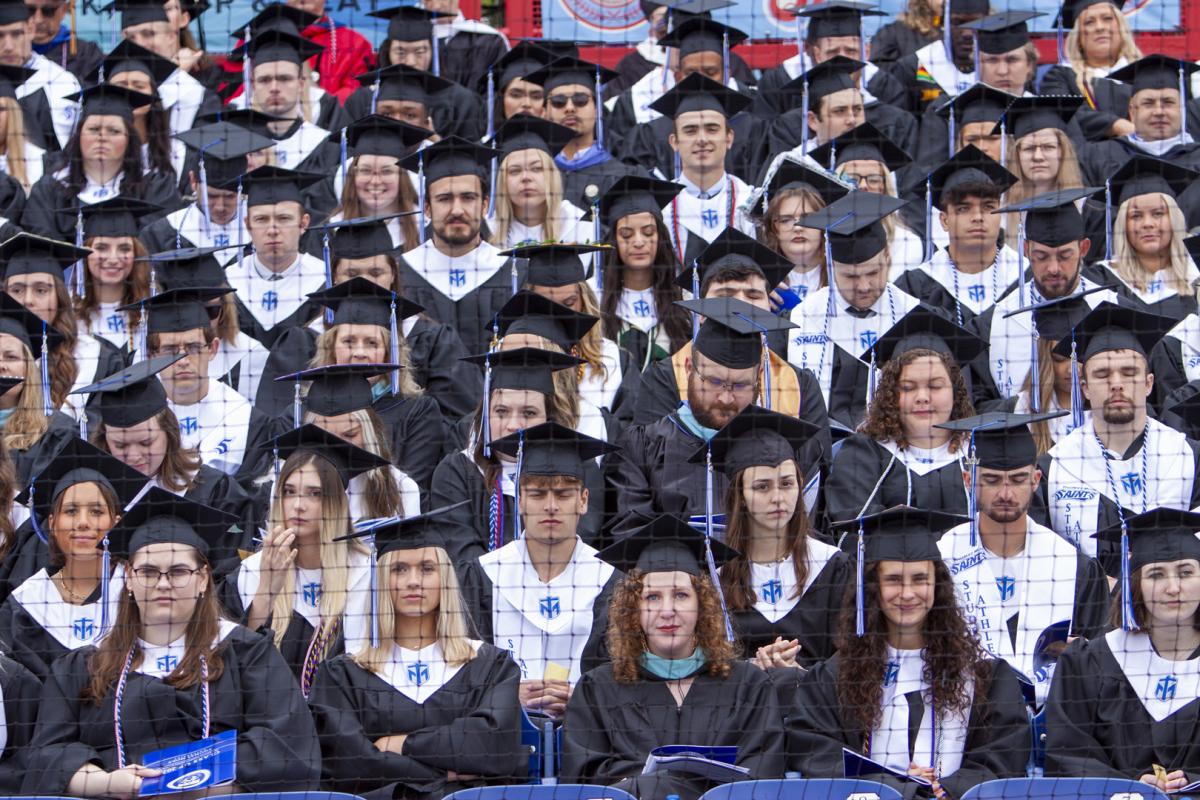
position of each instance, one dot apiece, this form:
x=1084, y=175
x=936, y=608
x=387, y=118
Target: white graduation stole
x=979, y=291
x=418, y=674
x=776, y=592
x=71, y=626
x=455, y=277
x=889, y=739
x=1163, y=686
x=1188, y=334
x=937, y=63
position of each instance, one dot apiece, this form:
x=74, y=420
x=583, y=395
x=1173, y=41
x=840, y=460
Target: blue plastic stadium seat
x=1037, y=751
x=562, y=791
x=1060, y=789
x=532, y=738
x=315, y=795
x=801, y=789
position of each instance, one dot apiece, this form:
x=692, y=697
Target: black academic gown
x=611, y=727
x=471, y=726
x=468, y=531
x=1101, y=160
x=856, y=470
x=602, y=176
x=1170, y=375
x=12, y=205
x=633, y=67
x=471, y=316
x=1096, y=725
x=897, y=39
x=464, y=57
x=416, y=435
x=21, y=692
x=87, y=57
x=435, y=351
x=50, y=210
x=27, y=642
x=647, y=144
x=1174, y=306
x=1109, y=101
x=997, y=744
x=882, y=86
x=33, y=459
x=277, y=747
x=454, y=111
x=919, y=284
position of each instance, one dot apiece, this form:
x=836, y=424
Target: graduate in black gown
x=19, y=694
x=170, y=672
x=419, y=97
x=544, y=597
x=674, y=677
x=455, y=275
x=519, y=394
x=909, y=688
x=899, y=456
x=68, y=604
x=1124, y=705
x=784, y=588
x=425, y=709
x=308, y=583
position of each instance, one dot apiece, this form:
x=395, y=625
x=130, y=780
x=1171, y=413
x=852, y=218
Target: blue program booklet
x=718, y=763
x=856, y=765
x=195, y=765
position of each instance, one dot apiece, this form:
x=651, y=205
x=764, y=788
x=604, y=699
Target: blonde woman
x=919, y=24
x=427, y=709
x=308, y=584
x=1098, y=42
x=529, y=206
x=20, y=159
x=1150, y=264
x=1042, y=156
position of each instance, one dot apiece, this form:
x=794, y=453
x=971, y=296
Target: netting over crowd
x=372, y=414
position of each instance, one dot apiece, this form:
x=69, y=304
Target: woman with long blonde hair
x=20, y=158
x=919, y=24
x=426, y=693
x=308, y=583
x=529, y=205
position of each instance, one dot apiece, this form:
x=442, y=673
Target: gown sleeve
x=1091, y=598
x=457, y=479
x=588, y=754
x=21, y=691
x=852, y=478
x=997, y=737
x=56, y=753
x=814, y=727
x=1071, y=747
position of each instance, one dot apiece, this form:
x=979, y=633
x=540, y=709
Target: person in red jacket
x=346, y=51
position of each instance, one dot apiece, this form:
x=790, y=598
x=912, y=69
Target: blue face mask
x=673, y=669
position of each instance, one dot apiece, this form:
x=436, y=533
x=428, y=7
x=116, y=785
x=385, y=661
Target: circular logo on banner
x=780, y=14
x=189, y=780
x=605, y=15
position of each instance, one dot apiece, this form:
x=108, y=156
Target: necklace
x=73, y=597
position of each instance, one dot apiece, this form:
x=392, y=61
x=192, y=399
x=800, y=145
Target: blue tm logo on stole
x=891, y=673
x=641, y=308
x=312, y=593
x=976, y=292
x=549, y=607
x=710, y=218
x=867, y=339
x=1165, y=688
x=167, y=663
x=458, y=277
x=270, y=300
x=1007, y=586
x=221, y=240
x=1132, y=482
x=188, y=424
x=772, y=590
x=83, y=628
x=418, y=673
x=116, y=323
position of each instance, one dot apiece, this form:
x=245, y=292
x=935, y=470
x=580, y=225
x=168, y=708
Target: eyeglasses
x=718, y=385
x=578, y=99
x=193, y=349
x=874, y=181
x=48, y=10
x=178, y=577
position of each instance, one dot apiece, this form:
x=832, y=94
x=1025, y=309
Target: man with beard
x=456, y=276
x=650, y=473
x=1055, y=246
x=1014, y=577
x=1120, y=462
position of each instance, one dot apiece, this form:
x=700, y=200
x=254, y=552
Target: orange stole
x=785, y=387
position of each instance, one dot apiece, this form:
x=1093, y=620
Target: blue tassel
x=47, y=407
x=599, y=112
x=491, y=105
x=83, y=425
x=517, y=485
x=972, y=502
x=975, y=43
x=804, y=116
x=342, y=145
x=1183, y=100
x=246, y=69
x=1003, y=140
x=33, y=517
x=275, y=462
x=946, y=37
x=833, y=156
x=494, y=169
x=421, y=194
x=695, y=296
x=725, y=60
x=1128, y=621
x=1108, y=222
x=325, y=256
x=297, y=413
x=708, y=533
x=766, y=368
x=872, y=377
x=105, y=571
x=860, y=601
x=929, y=216
x=394, y=330
x=374, y=96
x=597, y=260
x=1060, y=39
x=204, y=214
x=708, y=491
x=142, y=336
x=1076, y=391
x=374, y=599
x=81, y=265
x=485, y=424
x=437, y=59
x=1035, y=380
x=952, y=139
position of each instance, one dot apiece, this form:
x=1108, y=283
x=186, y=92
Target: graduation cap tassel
x=1183, y=100
x=725, y=59
x=1108, y=231
x=1022, y=295
x=804, y=116
x=695, y=296
x=597, y=235
x=860, y=611
x=47, y=407
x=766, y=370
x=142, y=335
x=1059, y=37
x=247, y=71
x=1035, y=401
x=1076, y=391
x=297, y=415
x=599, y=112
x=374, y=95
x=342, y=144
x=929, y=215
x=1128, y=622
x=493, y=169
x=81, y=265
x=872, y=377
x=832, y=155
x=33, y=517
x=708, y=492
x=485, y=425
x=951, y=143
x=83, y=425
x=1003, y=139
x=421, y=192
x=946, y=38
x=800, y=41
x=325, y=256
x=204, y=216
x=972, y=504
x=374, y=599
x=491, y=105
x=394, y=351
x=437, y=59
x=715, y=577
x=975, y=44
x=105, y=568
x=517, y=485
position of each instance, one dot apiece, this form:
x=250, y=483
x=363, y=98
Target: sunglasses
x=578, y=99
x=46, y=10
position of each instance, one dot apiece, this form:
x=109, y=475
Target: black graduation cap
x=410, y=533
x=701, y=35
x=902, y=533
x=79, y=462
x=381, y=136
x=1142, y=174
x=17, y=11
x=1002, y=440
x=666, y=544
x=348, y=459
x=525, y=58
x=699, y=93
x=225, y=140
x=178, y=310
x=27, y=254
x=271, y=184
x=133, y=395
x=732, y=248
x=161, y=517
x=570, y=71
x=529, y=312
x=1002, y=32
x=1052, y=218
x=1112, y=327
x=527, y=132
x=359, y=301
x=1159, y=536
x=836, y=18
x=276, y=17
x=923, y=329
x=110, y=99
x=854, y=225
x=116, y=216
x=339, y=388
x=977, y=103
x=969, y=165
x=8, y=383
x=18, y=321
x=130, y=57
x=793, y=174
x=250, y=119
x=360, y=237
x=1026, y=115
x=189, y=267
x=862, y=143
x=271, y=46
x=756, y=437
x=12, y=77
x=698, y=8
x=136, y=12
x=1156, y=71
x=554, y=263
x=402, y=82
x=634, y=194
x=408, y=23
x=832, y=75
x=451, y=156
x=732, y=331
x=1054, y=319
x=552, y=450
x=1071, y=9
x=526, y=368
